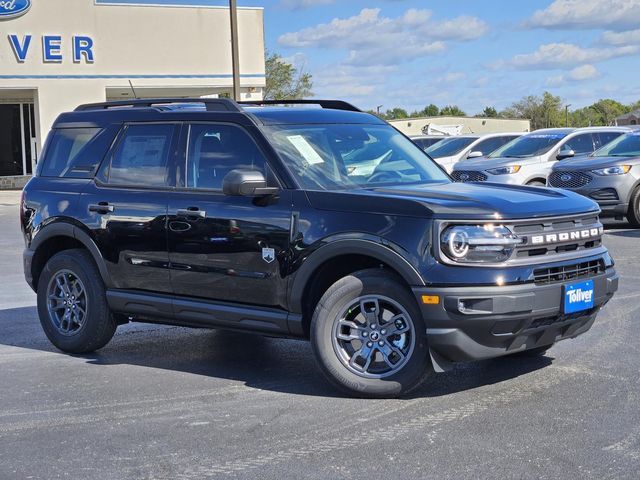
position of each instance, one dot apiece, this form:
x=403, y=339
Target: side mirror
x=246, y=183
x=475, y=154
x=562, y=154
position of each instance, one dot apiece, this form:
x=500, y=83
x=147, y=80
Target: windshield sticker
x=305, y=149
x=548, y=135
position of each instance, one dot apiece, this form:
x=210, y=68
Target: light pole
x=378, y=108
x=235, y=56
x=566, y=114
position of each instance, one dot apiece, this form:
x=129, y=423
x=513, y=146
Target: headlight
x=505, y=170
x=478, y=243
x=619, y=170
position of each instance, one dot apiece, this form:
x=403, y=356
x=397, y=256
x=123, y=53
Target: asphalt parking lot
x=174, y=403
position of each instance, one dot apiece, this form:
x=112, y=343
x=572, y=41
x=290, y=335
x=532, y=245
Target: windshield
x=624, y=146
x=530, y=145
x=450, y=146
x=339, y=156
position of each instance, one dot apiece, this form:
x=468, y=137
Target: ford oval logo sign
x=13, y=8
x=566, y=177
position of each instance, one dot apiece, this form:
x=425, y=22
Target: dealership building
x=57, y=54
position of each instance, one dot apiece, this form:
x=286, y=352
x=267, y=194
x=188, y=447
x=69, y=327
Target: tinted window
x=425, y=143
x=342, y=156
x=624, y=146
x=450, y=146
x=580, y=144
x=603, y=138
x=490, y=144
x=215, y=150
x=75, y=152
x=142, y=156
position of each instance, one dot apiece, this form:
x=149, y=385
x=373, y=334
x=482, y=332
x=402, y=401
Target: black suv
x=319, y=223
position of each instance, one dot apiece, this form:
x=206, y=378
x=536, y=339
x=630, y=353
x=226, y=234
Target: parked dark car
x=425, y=141
x=610, y=176
x=210, y=213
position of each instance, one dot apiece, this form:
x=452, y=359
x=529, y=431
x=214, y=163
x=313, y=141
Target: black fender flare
x=64, y=229
x=381, y=252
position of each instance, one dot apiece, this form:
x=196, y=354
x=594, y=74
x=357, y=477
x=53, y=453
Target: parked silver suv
x=528, y=160
x=451, y=150
x=610, y=176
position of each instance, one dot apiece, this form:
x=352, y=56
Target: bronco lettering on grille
x=566, y=236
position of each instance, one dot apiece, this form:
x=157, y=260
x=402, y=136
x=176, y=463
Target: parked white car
x=451, y=150
x=528, y=160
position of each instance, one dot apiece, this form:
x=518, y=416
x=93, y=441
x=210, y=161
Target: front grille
x=558, y=232
x=543, y=276
x=569, y=179
x=468, y=176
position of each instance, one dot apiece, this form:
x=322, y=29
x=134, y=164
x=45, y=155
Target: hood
x=455, y=201
x=484, y=163
x=593, y=163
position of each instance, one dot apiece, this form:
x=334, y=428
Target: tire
x=84, y=324
x=392, y=363
x=532, y=352
x=633, y=214
x=536, y=183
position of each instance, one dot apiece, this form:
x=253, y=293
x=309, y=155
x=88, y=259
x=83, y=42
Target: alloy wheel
x=373, y=336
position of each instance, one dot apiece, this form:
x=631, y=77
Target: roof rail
x=330, y=104
x=211, y=104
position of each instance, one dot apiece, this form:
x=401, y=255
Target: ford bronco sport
x=257, y=217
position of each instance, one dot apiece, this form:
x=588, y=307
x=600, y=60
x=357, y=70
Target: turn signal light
x=430, y=299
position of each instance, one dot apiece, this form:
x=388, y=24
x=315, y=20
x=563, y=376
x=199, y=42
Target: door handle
x=191, y=212
x=102, y=208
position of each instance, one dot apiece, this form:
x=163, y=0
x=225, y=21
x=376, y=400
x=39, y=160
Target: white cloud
x=629, y=37
x=564, y=56
x=372, y=39
x=587, y=14
x=578, y=74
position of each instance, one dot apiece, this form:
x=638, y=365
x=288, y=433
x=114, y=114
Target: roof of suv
x=264, y=112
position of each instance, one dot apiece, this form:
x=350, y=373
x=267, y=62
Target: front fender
x=371, y=246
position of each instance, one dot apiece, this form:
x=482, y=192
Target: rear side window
x=580, y=144
x=75, y=152
x=141, y=157
x=602, y=138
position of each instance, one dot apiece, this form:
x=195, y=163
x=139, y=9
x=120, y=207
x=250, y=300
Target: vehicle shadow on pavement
x=272, y=364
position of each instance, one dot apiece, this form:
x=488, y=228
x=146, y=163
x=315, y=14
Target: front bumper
x=612, y=193
x=500, y=320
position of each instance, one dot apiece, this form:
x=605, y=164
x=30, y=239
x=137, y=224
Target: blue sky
x=410, y=53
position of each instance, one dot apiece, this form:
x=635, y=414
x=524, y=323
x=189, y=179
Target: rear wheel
x=633, y=214
x=368, y=335
x=72, y=304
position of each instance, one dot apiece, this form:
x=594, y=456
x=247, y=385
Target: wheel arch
x=60, y=236
x=334, y=260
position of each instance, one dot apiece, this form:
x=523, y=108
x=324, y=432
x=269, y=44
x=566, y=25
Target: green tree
x=430, y=110
x=396, y=114
x=546, y=111
x=452, y=111
x=606, y=110
x=285, y=81
x=489, y=112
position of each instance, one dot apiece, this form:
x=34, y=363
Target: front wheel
x=368, y=335
x=536, y=183
x=633, y=214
